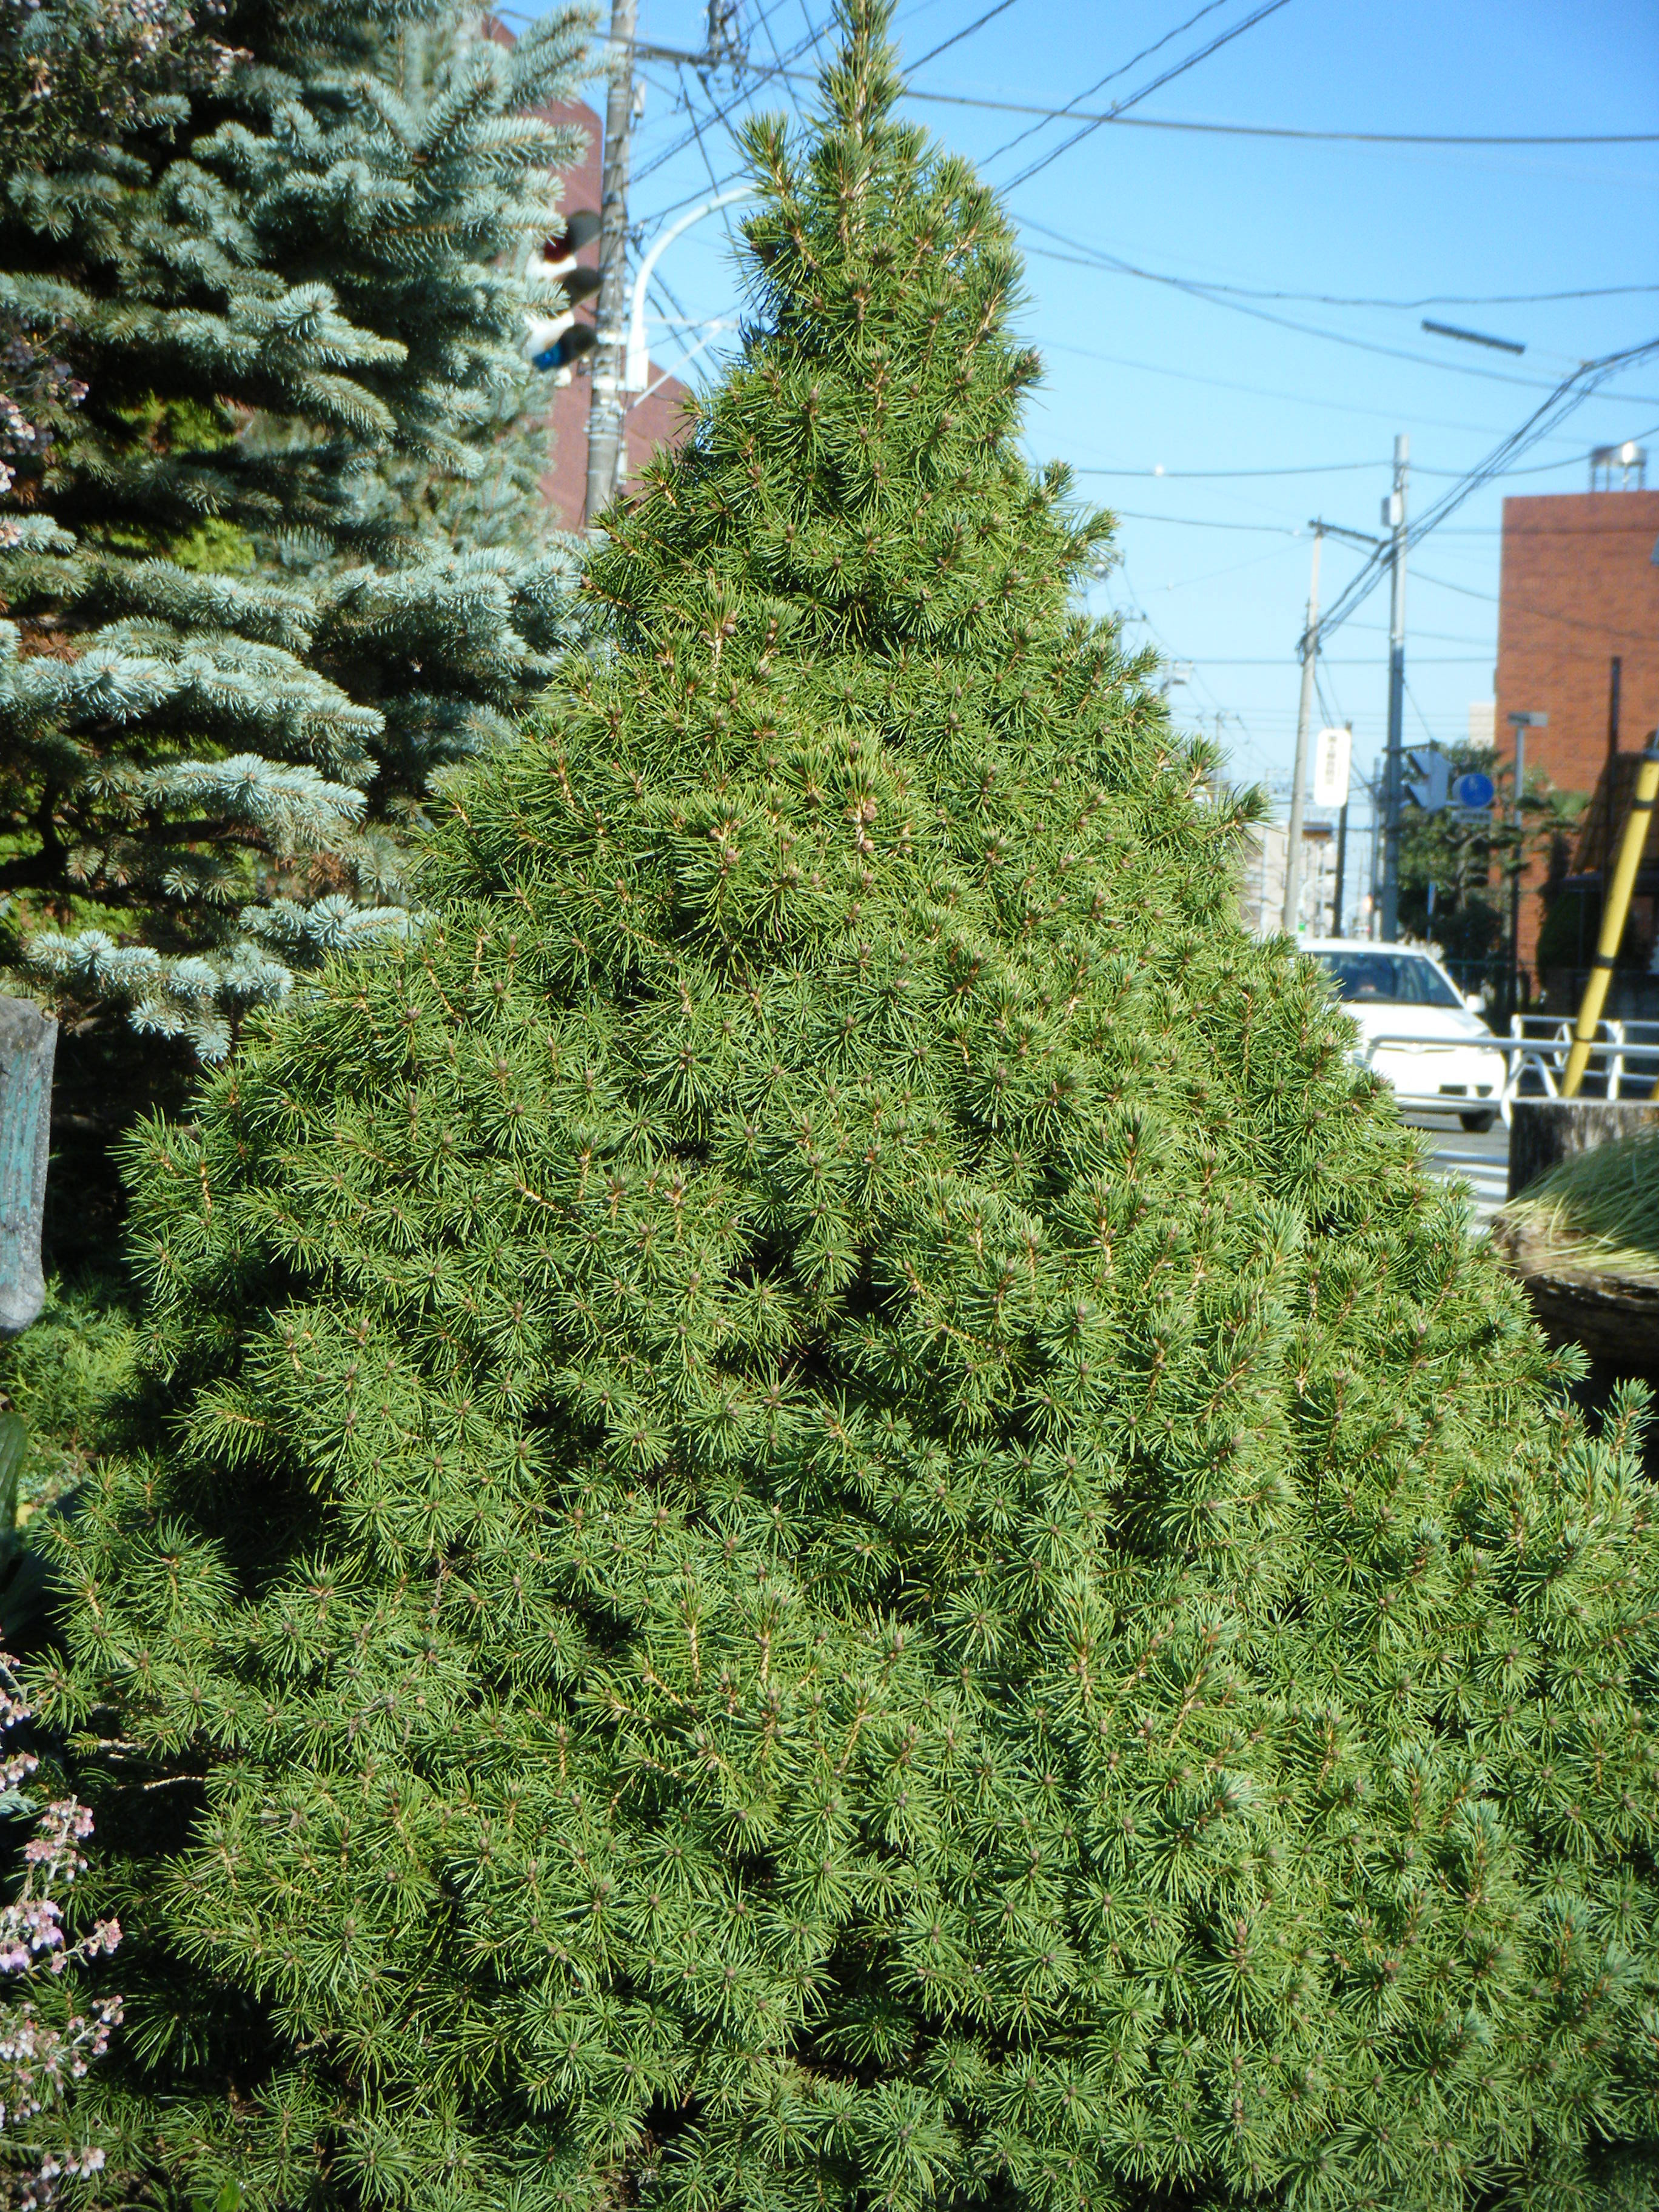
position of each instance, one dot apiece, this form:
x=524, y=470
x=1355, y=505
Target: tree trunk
x=1547, y=1130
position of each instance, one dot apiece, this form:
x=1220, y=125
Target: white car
x=1416, y=1030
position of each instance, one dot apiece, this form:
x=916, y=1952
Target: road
x=1483, y=1162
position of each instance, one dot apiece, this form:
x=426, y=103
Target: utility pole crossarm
x=1341, y=530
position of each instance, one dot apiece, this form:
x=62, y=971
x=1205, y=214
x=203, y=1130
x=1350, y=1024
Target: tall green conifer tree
x=827, y=1518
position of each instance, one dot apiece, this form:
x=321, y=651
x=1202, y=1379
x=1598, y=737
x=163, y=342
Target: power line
x=1568, y=395
x=956, y=37
x=1225, y=37
x=1170, y=655
x=1071, y=107
x=764, y=22
x=720, y=114
x=1185, y=476
x=1275, y=130
x=1233, y=568
x=1266, y=391
x=1337, y=468
x=1601, y=629
x=1420, y=715
x=1439, y=298
x=1293, y=530
x=1196, y=522
x=703, y=148
x=782, y=73
x=1083, y=256
x=1434, y=636
x=1445, y=583
x=1288, y=660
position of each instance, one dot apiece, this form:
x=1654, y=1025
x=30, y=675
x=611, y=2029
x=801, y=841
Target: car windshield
x=1387, y=979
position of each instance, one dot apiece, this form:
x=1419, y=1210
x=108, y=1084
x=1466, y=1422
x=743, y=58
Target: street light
x=1520, y=724
x=636, y=374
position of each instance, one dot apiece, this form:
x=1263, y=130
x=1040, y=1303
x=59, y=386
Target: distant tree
x=1471, y=859
x=1461, y=856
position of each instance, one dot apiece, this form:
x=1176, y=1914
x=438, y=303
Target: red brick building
x=1578, y=635
x=657, y=419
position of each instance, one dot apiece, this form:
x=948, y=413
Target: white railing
x=1624, y=1063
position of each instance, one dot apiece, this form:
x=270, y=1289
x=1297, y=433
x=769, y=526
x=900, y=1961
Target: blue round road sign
x=1473, y=792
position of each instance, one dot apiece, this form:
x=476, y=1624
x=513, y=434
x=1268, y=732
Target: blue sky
x=1142, y=376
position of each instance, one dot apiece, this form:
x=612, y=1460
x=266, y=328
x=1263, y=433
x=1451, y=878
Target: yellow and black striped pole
x=1613, y=916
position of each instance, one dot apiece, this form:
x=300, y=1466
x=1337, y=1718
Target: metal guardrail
x=1624, y=1064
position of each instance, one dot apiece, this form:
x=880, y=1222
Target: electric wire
x=1173, y=659
x=703, y=148
x=1200, y=522
x=1184, y=476
x=978, y=24
x=1334, y=468
x=781, y=72
x=1225, y=37
x=1568, y=395
x=1437, y=299
x=1433, y=636
x=1276, y=130
x=1234, y=569
x=764, y=22
x=720, y=114
x=1601, y=629
x=1268, y=391
x=1083, y=256
x=1420, y=715
x=1379, y=661
x=1123, y=69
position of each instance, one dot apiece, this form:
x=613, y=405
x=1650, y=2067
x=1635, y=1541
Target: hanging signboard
x=1333, y=753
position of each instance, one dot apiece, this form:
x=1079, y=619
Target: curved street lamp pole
x=636, y=374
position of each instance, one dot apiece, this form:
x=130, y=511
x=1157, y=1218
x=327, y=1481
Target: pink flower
x=39, y=2062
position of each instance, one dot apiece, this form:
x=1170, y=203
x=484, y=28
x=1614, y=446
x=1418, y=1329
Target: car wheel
x=1477, y=1124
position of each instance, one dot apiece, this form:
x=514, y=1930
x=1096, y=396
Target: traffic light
x=557, y=342
x=1428, y=783
x=557, y=258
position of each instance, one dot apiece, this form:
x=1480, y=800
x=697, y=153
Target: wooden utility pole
x=1293, y=914
x=605, y=400
x=1393, y=772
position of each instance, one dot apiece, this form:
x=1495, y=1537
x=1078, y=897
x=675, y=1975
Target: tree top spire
x=860, y=85
x=866, y=437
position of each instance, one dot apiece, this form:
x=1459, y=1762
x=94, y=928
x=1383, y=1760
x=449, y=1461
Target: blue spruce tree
x=824, y=1519
x=288, y=267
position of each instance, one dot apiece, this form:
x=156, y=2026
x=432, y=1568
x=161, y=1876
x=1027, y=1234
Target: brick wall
x=1578, y=587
